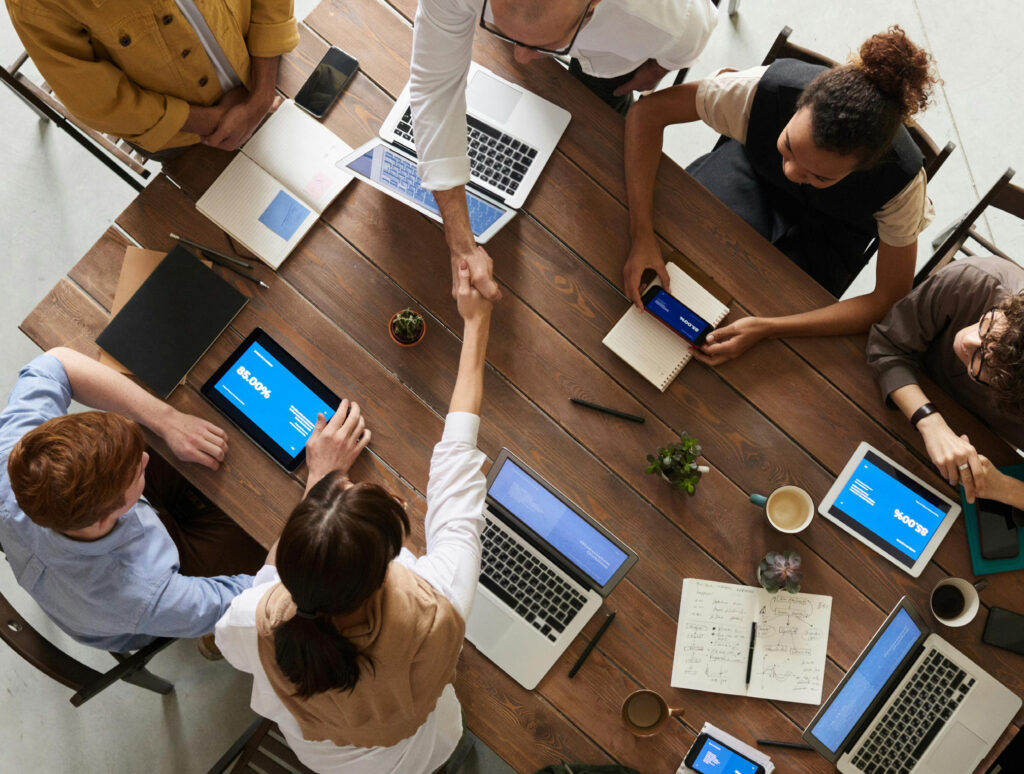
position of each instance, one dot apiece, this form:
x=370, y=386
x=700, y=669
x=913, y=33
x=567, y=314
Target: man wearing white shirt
x=635, y=42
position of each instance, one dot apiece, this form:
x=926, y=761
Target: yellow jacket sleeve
x=272, y=28
x=98, y=93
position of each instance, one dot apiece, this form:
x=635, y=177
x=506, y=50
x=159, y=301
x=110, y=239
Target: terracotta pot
x=399, y=342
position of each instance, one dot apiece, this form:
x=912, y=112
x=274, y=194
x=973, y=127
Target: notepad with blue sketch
x=274, y=190
x=650, y=347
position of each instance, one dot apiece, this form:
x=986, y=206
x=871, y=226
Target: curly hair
x=858, y=108
x=1004, y=357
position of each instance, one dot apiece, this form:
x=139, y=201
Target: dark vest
x=855, y=198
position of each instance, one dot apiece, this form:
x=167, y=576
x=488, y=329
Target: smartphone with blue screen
x=672, y=312
x=709, y=756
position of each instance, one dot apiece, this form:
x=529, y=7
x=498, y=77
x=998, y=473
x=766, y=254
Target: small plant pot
x=398, y=341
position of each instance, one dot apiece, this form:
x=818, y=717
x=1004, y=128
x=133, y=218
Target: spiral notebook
x=656, y=352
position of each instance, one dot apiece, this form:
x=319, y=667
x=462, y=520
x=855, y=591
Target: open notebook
x=650, y=347
x=274, y=190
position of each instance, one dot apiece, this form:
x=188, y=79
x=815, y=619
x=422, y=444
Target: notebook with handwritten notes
x=652, y=348
x=714, y=635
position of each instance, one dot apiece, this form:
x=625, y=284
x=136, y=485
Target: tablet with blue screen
x=889, y=509
x=271, y=397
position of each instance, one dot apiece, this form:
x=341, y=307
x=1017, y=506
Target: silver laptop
x=911, y=704
x=546, y=568
x=511, y=134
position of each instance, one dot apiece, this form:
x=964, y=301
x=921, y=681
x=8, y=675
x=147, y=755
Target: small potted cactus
x=406, y=328
x=677, y=463
x=778, y=571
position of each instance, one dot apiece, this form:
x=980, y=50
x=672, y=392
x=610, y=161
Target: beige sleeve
x=724, y=100
x=906, y=215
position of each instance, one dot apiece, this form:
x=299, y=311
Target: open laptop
x=511, y=134
x=911, y=704
x=546, y=568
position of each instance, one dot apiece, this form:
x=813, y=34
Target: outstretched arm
x=476, y=315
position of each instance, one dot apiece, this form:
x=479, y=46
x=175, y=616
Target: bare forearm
x=469, y=383
x=264, y=80
x=202, y=120
x=854, y=315
x=455, y=214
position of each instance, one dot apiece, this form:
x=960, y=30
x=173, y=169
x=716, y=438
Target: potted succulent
x=778, y=571
x=677, y=463
x=407, y=328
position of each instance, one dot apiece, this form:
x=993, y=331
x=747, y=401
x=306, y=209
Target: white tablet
x=393, y=171
x=889, y=509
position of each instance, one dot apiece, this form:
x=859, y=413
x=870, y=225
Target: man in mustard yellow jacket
x=161, y=73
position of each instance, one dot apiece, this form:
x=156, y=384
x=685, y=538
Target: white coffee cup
x=789, y=508
x=958, y=605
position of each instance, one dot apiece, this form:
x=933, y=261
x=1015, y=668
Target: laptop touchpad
x=958, y=751
x=492, y=98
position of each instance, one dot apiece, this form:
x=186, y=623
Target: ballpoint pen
x=210, y=252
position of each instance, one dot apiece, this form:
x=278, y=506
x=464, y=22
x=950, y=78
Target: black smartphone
x=709, y=756
x=996, y=530
x=1004, y=629
x=326, y=82
x=676, y=315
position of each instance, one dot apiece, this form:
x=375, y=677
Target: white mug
x=962, y=595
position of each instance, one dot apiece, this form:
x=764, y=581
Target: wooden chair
x=116, y=153
x=58, y=665
x=1003, y=195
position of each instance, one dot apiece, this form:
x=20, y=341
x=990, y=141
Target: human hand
x=647, y=76
x=643, y=254
x=195, y=440
x=336, y=444
x=989, y=481
x=473, y=307
x=481, y=273
x=239, y=121
x=731, y=341
x=953, y=455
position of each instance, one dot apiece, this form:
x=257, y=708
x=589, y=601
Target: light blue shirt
x=115, y=593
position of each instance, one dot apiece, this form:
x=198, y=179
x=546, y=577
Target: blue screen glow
x=863, y=684
x=893, y=511
x=567, y=531
x=713, y=758
x=273, y=398
x=677, y=315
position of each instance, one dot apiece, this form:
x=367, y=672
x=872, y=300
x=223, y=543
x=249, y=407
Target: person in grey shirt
x=964, y=327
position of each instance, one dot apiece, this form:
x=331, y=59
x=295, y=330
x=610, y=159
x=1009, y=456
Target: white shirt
x=620, y=36
x=454, y=521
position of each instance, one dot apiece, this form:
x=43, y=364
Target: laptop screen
x=862, y=685
x=398, y=174
x=564, y=529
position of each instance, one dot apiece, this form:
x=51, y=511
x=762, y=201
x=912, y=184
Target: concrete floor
x=56, y=200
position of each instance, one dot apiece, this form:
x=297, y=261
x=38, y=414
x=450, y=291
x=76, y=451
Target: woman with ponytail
x=352, y=640
x=818, y=160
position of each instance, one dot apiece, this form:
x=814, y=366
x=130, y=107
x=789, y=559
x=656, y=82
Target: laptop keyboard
x=526, y=583
x=911, y=722
x=493, y=156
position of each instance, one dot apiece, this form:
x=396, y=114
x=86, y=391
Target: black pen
x=606, y=410
x=750, y=653
x=211, y=252
x=590, y=646
x=235, y=269
x=792, y=745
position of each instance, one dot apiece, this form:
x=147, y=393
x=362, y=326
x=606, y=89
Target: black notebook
x=173, y=318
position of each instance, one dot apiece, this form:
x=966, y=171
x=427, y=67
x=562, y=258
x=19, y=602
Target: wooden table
x=786, y=412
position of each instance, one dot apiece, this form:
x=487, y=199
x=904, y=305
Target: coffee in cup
x=789, y=508
x=955, y=601
x=645, y=712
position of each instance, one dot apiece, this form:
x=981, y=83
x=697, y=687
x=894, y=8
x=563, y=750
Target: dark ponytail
x=858, y=108
x=333, y=555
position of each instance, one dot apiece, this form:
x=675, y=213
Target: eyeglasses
x=489, y=26
x=977, y=363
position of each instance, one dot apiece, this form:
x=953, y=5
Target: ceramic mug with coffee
x=645, y=712
x=789, y=508
x=955, y=601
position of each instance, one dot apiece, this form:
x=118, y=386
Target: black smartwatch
x=926, y=410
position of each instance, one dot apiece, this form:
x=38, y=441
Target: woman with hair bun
x=818, y=160
x=352, y=640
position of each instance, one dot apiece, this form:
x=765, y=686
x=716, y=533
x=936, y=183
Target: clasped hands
x=235, y=117
x=959, y=462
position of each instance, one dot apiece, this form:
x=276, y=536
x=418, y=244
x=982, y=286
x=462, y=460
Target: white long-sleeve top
x=454, y=521
x=619, y=37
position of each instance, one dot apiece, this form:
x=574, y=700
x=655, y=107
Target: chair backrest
x=1003, y=195
x=260, y=750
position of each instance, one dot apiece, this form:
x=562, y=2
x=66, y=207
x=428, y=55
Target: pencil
x=233, y=268
x=590, y=645
x=212, y=252
x=606, y=410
